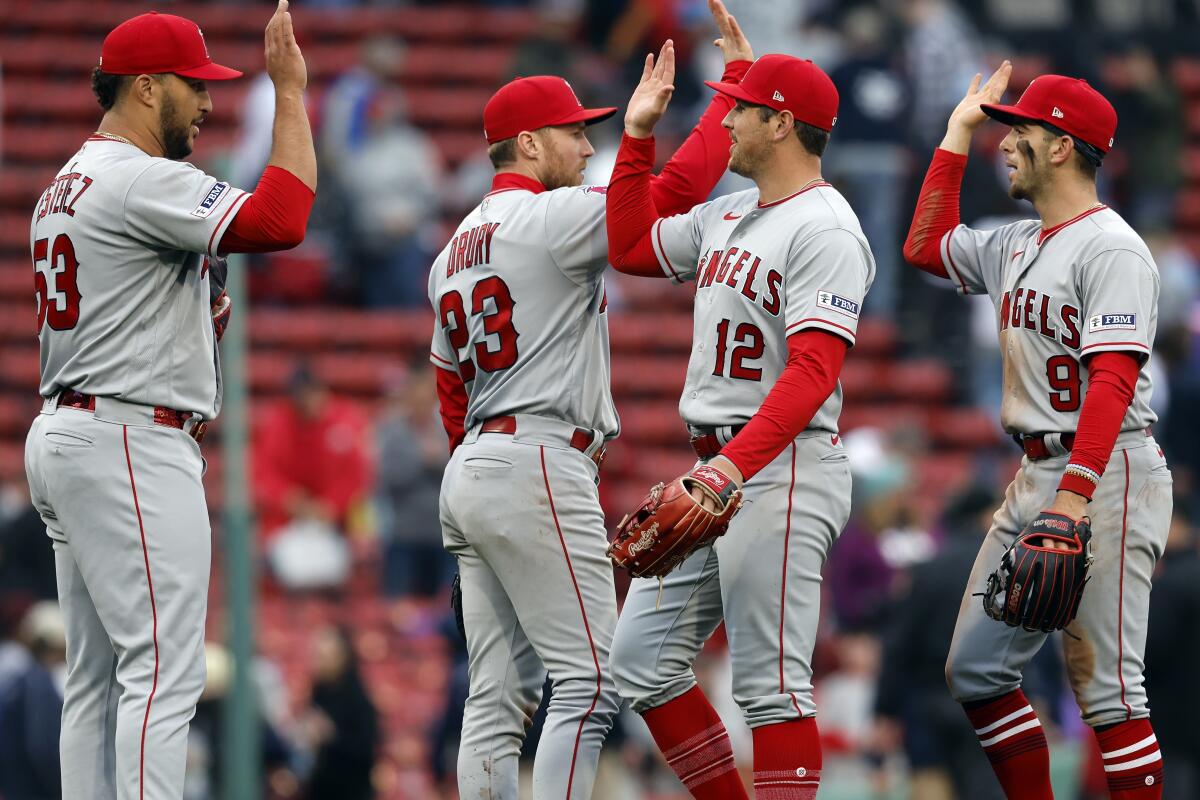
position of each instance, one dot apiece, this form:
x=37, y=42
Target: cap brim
x=210, y=72
x=1009, y=115
x=588, y=116
x=735, y=91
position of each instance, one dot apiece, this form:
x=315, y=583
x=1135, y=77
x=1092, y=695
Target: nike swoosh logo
x=732, y=216
x=1019, y=252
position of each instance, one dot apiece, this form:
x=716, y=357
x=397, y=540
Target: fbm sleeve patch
x=835, y=302
x=210, y=201
x=1113, y=322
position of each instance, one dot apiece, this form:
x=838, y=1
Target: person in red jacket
x=1076, y=301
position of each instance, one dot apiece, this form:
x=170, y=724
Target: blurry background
x=360, y=674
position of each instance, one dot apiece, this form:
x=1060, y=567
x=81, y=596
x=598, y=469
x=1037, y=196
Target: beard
x=1027, y=188
x=556, y=173
x=745, y=161
x=175, y=134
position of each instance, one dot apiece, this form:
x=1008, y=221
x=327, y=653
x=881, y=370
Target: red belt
x=1036, y=449
x=162, y=416
x=706, y=444
x=581, y=439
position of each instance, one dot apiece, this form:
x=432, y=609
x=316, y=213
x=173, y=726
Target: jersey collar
x=808, y=186
x=507, y=181
x=1045, y=233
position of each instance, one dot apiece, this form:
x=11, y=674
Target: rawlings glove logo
x=645, y=540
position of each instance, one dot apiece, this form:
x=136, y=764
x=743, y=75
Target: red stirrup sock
x=1132, y=762
x=696, y=745
x=1011, y=735
x=787, y=760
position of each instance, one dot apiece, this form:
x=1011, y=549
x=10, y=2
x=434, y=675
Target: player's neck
x=140, y=136
x=786, y=176
x=1065, y=202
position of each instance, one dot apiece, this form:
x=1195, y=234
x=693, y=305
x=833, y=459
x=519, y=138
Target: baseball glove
x=1038, y=587
x=218, y=298
x=670, y=524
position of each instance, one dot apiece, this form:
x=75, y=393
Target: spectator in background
x=312, y=476
x=1173, y=657
x=1151, y=133
x=345, y=113
x=412, y=455
x=342, y=724
x=942, y=52
x=913, y=707
x=26, y=555
x=392, y=181
x=870, y=164
x=31, y=710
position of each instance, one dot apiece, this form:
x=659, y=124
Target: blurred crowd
x=339, y=493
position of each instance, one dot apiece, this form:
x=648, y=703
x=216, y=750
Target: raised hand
x=733, y=43
x=653, y=93
x=285, y=62
x=968, y=112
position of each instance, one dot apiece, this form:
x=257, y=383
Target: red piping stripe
x=663, y=250
x=441, y=360
x=1138, y=345
x=787, y=533
x=1046, y=233
x=232, y=206
x=790, y=196
x=1121, y=592
x=153, y=613
x=950, y=262
x=586, y=627
x=818, y=319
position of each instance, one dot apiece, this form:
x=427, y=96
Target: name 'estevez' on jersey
x=763, y=272
x=520, y=311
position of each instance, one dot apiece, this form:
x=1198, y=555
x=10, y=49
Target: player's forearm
x=292, y=142
x=1112, y=378
x=814, y=362
x=452, y=404
x=936, y=213
x=630, y=213
x=689, y=176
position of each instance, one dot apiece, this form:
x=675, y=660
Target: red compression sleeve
x=814, y=363
x=936, y=213
x=688, y=178
x=631, y=214
x=273, y=218
x=452, y=402
x=1112, y=377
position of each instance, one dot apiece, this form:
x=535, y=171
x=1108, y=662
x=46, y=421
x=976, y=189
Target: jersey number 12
x=497, y=322
x=749, y=341
x=63, y=268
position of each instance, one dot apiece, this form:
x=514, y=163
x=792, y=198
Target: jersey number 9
x=497, y=321
x=62, y=271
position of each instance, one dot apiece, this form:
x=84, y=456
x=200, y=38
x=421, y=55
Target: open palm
x=653, y=93
x=968, y=112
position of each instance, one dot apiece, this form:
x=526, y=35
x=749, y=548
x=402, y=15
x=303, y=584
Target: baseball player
x=521, y=341
x=121, y=242
x=780, y=274
x=1076, y=296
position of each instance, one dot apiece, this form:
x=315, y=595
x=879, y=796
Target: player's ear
x=146, y=90
x=1061, y=150
x=529, y=145
x=784, y=124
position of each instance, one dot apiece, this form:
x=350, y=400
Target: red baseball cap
x=152, y=43
x=527, y=104
x=1069, y=104
x=787, y=83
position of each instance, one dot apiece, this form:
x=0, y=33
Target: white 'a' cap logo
x=1057, y=113
x=777, y=97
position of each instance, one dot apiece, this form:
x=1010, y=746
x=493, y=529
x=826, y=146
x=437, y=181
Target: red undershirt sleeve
x=274, y=217
x=814, y=362
x=631, y=211
x=936, y=213
x=690, y=175
x=452, y=403
x=1112, y=377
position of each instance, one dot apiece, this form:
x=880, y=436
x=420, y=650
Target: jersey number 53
x=62, y=271
x=497, y=322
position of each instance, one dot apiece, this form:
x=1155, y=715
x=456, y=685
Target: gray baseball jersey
x=763, y=272
x=520, y=311
x=1083, y=287
x=119, y=242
